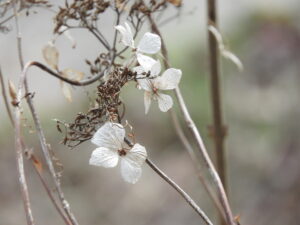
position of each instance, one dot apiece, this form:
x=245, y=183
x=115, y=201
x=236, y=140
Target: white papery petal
x=145, y=84
x=110, y=135
x=127, y=38
x=168, y=80
x=147, y=101
x=150, y=43
x=137, y=155
x=165, y=102
x=130, y=172
x=132, y=162
x=104, y=157
x=145, y=61
x=155, y=69
x=139, y=70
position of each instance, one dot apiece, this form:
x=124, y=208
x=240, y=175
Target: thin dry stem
x=200, y=144
x=21, y=173
x=186, y=197
x=218, y=130
x=195, y=159
x=6, y=102
x=208, y=163
x=218, y=127
x=45, y=150
x=49, y=192
x=20, y=159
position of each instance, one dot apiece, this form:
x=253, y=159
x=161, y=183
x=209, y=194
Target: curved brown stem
x=58, y=76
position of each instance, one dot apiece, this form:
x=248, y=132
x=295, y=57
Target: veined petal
x=104, y=157
x=130, y=173
x=132, y=162
x=150, y=43
x=137, y=155
x=110, y=135
x=145, y=84
x=168, y=80
x=127, y=38
x=51, y=55
x=139, y=70
x=165, y=102
x=147, y=101
x=155, y=69
x=145, y=61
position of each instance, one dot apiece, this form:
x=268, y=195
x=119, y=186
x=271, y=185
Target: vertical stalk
x=218, y=127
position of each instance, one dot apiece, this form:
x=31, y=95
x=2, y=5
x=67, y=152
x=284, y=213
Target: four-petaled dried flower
x=112, y=148
x=149, y=44
x=167, y=81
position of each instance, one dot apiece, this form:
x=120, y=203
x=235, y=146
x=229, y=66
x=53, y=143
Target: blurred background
x=261, y=109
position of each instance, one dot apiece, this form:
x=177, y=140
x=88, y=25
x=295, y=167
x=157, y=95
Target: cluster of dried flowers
x=103, y=122
x=110, y=137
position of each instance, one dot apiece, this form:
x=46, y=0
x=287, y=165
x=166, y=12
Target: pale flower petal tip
x=149, y=44
x=165, y=102
x=169, y=79
x=145, y=61
x=127, y=38
x=131, y=164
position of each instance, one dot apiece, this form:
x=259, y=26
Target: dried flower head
x=154, y=84
x=112, y=148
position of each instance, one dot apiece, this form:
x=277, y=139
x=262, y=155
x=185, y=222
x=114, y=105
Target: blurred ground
x=261, y=110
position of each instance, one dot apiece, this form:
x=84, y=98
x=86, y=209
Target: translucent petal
x=145, y=61
x=73, y=74
x=104, y=157
x=50, y=54
x=155, y=69
x=127, y=38
x=150, y=43
x=129, y=172
x=165, y=102
x=145, y=84
x=66, y=90
x=137, y=155
x=147, y=101
x=168, y=80
x=132, y=162
x=110, y=135
x=139, y=70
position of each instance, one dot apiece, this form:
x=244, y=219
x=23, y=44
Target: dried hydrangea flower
x=167, y=81
x=112, y=148
x=149, y=44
